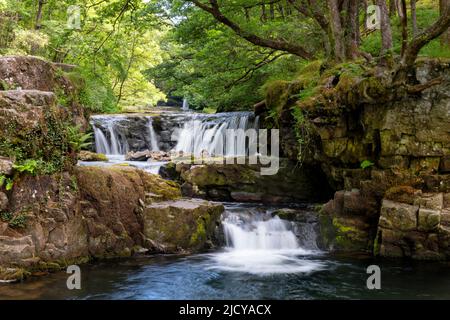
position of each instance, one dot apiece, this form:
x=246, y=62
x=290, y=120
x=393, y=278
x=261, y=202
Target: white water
x=260, y=245
x=219, y=134
x=150, y=167
x=153, y=137
x=185, y=105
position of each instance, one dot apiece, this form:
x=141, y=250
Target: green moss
x=199, y=236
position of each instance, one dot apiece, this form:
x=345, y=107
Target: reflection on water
x=179, y=277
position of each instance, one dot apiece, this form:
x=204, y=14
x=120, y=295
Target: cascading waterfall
x=153, y=137
x=113, y=142
x=185, y=106
x=219, y=134
x=101, y=143
x=261, y=244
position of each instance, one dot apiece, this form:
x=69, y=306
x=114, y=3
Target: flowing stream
x=272, y=265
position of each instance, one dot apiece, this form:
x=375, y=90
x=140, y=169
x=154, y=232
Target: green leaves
x=29, y=166
x=8, y=183
x=77, y=139
x=367, y=164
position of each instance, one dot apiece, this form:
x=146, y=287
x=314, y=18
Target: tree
x=444, y=8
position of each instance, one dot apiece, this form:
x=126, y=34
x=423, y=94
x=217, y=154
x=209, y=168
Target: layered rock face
x=403, y=137
x=31, y=73
x=245, y=183
x=100, y=213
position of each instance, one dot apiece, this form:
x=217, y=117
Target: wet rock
x=6, y=166
x=148, y=155
x=181, y=225
x=91, y=156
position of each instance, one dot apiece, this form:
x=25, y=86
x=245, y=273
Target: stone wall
x=406, y=137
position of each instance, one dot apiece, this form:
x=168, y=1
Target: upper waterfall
x=221, y=134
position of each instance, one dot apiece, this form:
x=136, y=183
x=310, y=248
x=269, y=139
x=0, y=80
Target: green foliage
x=6, y=182
x=29, y=166
x=367, y=164
x=6, y=216
x=18, y=221
x=78, y=140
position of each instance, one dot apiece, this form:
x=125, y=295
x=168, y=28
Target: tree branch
x=281, y=45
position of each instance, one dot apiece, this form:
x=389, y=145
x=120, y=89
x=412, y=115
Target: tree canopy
x=217, y=53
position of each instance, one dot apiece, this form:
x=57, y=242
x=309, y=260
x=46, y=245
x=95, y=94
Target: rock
x=32, y=73
x=91, y=156
x=181, y=225
x=398, y=216
x=434, y=201
x=428, y=219
x=148, y=155
x=245, y=182
x=6, y=166
x=4, y=202
x=30, y=120
x=96, y=213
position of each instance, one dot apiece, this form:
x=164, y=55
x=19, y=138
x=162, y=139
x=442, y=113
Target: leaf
x=366, y=164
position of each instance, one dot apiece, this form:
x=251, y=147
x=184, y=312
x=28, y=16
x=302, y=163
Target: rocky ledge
x=48, y=222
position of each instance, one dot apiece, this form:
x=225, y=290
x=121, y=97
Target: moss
x=199, y=236
x=13, y=274
x=403, y=193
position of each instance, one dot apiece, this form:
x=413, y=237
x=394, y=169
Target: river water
x=261, y=259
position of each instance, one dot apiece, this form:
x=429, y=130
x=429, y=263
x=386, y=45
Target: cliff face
x=398, y=204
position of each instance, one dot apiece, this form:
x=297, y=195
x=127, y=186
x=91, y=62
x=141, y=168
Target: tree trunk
x=414, y=18
x=37, y=24
x=404, y=23
x=336, y=28
x=385, y=24
x=392, y=7
x=351, y=45
x=422, y=39
x=444, y=6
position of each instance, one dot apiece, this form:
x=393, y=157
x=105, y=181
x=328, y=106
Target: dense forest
x=221, y=55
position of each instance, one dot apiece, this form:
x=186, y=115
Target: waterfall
x=271, y=234
x=101, y=143
x=152, y=134
x=185, y=105
x=261, y=244
x=218, y=134
x=109, y=138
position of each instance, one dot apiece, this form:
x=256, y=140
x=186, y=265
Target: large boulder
x=95, y=213
x=32, y=73
x=181, y=225
x=245, y=183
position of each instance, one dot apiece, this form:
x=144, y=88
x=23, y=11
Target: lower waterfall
x=258, y=243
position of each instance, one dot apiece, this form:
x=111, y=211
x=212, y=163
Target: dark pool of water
x=194, y=277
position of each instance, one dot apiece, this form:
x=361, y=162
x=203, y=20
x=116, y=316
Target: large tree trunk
x=385, y=25
x=392, y=7
x=444, y=6
x=336, y=28
x=351, y=37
